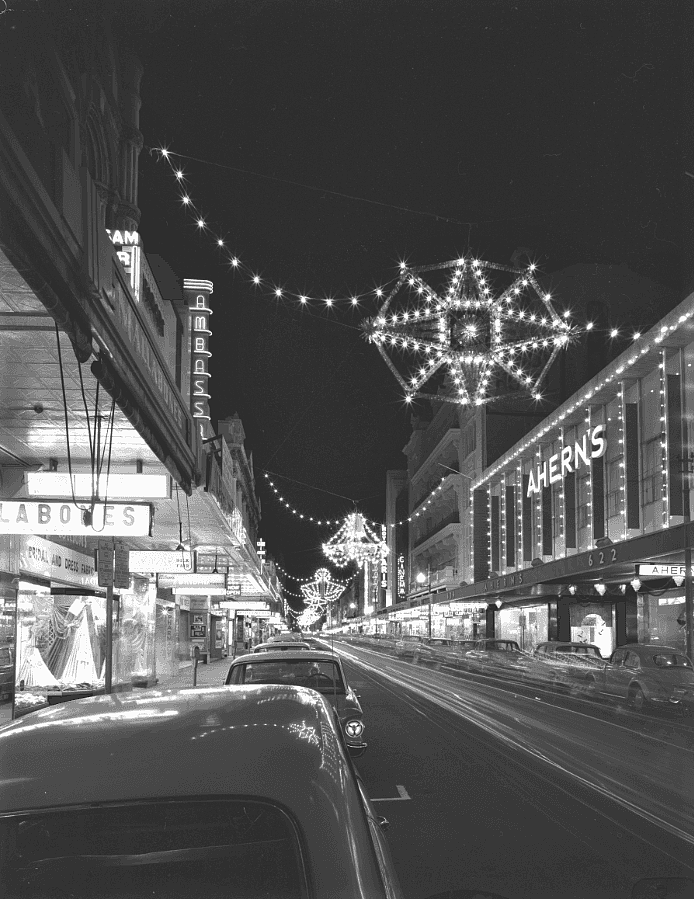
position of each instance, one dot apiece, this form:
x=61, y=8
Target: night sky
x=479, y=125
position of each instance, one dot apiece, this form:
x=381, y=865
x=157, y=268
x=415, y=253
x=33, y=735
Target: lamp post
x=422, y=578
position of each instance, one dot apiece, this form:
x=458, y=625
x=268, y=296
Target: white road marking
x=403, y=794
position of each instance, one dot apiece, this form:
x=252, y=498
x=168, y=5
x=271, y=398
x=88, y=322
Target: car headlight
x=354, y=728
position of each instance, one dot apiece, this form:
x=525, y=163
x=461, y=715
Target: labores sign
x=592, y=446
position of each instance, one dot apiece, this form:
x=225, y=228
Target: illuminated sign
x=401, y=577
x=568, y=460
x=113, y=486
x=155, y=562
x=198, y=298
x=246, y=607
x=109, y=520
x=57, y=563
x=384, y=564
x=200, y=591
x=212, y=579
x=128, y=250
x=652, y=570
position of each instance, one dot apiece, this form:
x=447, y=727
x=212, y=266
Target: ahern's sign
x=592, y=446
x=109, y=520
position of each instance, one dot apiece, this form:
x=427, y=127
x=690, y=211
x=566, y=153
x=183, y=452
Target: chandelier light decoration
x=470, y=331
x=322, y=589
x=355, y=541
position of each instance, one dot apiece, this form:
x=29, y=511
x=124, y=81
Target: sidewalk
x=210, y=675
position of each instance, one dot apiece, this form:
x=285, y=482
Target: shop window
x=593, y=623
x=583, y=510
x=661, y=620
x=527, y=626
x=652, y=471
x=614, y=487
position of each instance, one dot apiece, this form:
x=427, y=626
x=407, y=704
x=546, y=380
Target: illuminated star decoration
x=356, y=542
x=469, y=331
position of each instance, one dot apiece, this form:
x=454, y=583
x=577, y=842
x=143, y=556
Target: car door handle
x=383, y=823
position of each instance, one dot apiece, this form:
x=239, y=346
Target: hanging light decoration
x=469, y=331
x=322, y=589
x=355, y=541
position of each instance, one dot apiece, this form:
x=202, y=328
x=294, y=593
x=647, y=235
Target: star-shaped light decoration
x=322, y=589
x=470, y=330
x=355, y=541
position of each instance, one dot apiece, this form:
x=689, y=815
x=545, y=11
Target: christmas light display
x=322, y=590
x=469, y=331
x=355, y=541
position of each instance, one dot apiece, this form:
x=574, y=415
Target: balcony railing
x=451, y=518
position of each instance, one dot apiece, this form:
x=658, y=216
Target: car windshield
x=318, y=674
x=501, y=646
x=671, y=660
x=224, y=849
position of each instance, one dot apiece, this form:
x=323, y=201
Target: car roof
x=283, y=655
x=294, y=644
x=197, y=742
x=567, y=643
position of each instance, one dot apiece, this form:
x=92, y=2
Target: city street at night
x=526, y=793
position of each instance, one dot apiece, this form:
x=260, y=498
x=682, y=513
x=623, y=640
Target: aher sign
x=569, y=459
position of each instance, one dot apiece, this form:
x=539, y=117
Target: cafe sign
x=168, y=562
x=60, y=518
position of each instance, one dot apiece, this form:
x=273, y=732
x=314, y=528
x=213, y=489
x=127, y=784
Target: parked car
x=563, y=665
x=494, y=656
x=452, y=653
x=321, y=671
x=278, y=647
x=221, y=792
x=405, y=647
x=646, y=675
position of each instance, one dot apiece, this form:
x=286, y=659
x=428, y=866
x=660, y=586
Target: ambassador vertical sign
x=198, y=299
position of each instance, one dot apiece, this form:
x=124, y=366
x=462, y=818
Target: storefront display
x=527, y=625
x=593, y=622
x=61, y=642
x=660, y=619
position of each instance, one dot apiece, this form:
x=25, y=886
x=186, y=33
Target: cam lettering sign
x=108, y=520
x=568, y=460
x=128, y=250
x=56, y=563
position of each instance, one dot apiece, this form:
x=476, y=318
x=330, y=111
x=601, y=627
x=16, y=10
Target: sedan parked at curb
x=564, y=665
x=320, y=671
x=221, y=792
x=646, y=675
x=499, y=657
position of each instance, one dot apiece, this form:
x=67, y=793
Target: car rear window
x=579, y=650
x=671, y=660
x=220, y=849
x=320, y=675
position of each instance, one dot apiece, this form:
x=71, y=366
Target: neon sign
x=568, y=460
x=128, y=250
x=198, y=296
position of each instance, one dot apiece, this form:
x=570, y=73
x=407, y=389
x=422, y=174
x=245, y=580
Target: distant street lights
x=422, y=579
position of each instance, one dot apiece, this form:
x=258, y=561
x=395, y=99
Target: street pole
x=108, y=673
x=429, y=595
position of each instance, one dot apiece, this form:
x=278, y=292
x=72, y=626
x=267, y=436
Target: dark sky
x=555, y=125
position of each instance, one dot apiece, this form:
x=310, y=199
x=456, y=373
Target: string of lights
x=216, y=235
x=373, y=524
x=305, y=580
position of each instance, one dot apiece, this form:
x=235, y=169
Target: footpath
x=210, y=675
